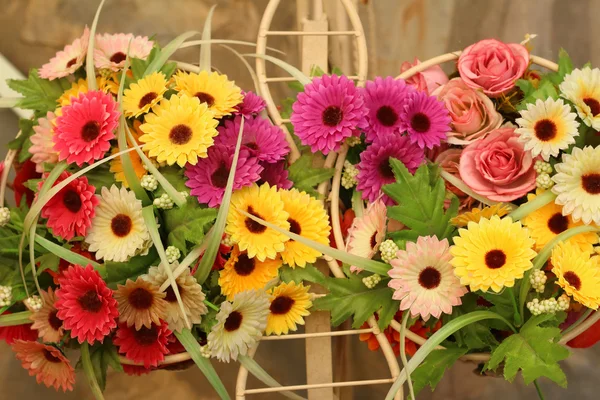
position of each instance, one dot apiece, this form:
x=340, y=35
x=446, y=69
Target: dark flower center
x=71, y=62
x=90, y=301
x=90, y=131
x=147, y=99
x=281, y=305
x=146, y=336
x=545, y=130
x=332, y=116
x=252, y=146
x=385, y=170
x=118, y=57
x=593, y=104
x=573, y=279
x=220, y=176
x=558, y=223
x=244, y=265
x=387, y=116
x=54, y=321
x=141, y=298
x=373, y=239
x=170, y=294
x=495, y=259
x=252, y=225
x=233, y=321
x=420, y=122
x=51, y=357
x=121, y=225
x=180, y=134
x=591, y=183
x=294, y=226
x=205, y=98
x=72, y=201
x=430, y=278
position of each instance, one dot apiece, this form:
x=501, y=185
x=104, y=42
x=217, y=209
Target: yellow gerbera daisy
x=582, y=88
x=144, y=94
x=179, y=130
x=263, y=202
x=116, y=167
x=577, y=273
x=476, y=214
x=308, y=219
x=547, y=222
x=242, y=273
x=289, y=304
x=81, y=86
x=492, y=253
x=220, y=94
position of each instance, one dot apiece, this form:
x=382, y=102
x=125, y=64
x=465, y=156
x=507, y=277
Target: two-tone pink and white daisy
x=42, y=145
x=367, y=232
x=68, y=60
x=111, y=50
x=423, y=278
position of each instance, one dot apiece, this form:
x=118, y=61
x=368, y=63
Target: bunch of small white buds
x=371, y=281
x=173, y=254
x=349, y=175
x=164, y=201
x=149, y=182
x=5, y=296
x=388, y=250
x=538, y=280
x=4, y=216
x=33, y=303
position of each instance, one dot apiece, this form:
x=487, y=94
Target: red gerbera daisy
x=25, y=172
x=18, y=332
x=146, y=345
x=85, y=304
x=63, y=265
x=71, y=210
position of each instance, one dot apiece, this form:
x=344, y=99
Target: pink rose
x=498, y=167
x=428, y=80
x=473, y=113
x=493, y=66
x=449, y=160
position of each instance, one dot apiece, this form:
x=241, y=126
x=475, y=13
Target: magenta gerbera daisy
x=68, y=60
x=84, y=130
x=374, y=166
x=251, y=105
x=208, y=178
x=71, y=210
x=264, y=140
x=85, y=304
x=111, y=50
x=384, y=98
x=275, y=174
x=145, y=345
x=327, y=112
x=425, y=119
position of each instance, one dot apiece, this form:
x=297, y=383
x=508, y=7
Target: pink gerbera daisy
x=83, y=132
x=146, y=345
x=424, y=279
x=47, y=363
x=251, y=105
x=374, y=166
x=85, y=304
x=384, y=98
x=327, y=112
x=264, y=140
x=111, y=50
x=42, y=146
x=425, y=119
x=208, y=178
x=68, y=60
x=71, y=210
x=367, y=232
x=17, y=332
x=275, y=174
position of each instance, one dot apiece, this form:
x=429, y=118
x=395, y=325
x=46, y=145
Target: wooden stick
x=316, y=33
x=585, y=325
x=321, y=385
x=335, y=198
x=317, y=334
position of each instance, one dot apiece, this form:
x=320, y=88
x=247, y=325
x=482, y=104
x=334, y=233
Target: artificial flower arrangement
x=132, y=238
x=469, y=209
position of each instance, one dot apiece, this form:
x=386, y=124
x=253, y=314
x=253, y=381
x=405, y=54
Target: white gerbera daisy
x=582, y=88
x=191, y=294
x=367, y=232
x=578, y=184
x=111, y=50
x=424, y=279
x=118, y=230
x=547, y=127
x=239, y=325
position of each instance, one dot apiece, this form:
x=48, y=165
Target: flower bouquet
x=136, y=236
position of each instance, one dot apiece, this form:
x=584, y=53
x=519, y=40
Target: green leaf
x=420, y=199
x=188, y=224
x=298, y=275
x=39, y=94
x=432, y=370
x=546, y=88
x=26, y=128
x=117, y=272
x=534, y=351
x=306, y=177
x=565, y=66
x=351, y=298
x=477, y=335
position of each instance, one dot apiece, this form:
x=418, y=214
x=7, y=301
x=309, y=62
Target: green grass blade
x=246, y=64
x=88, y=369
x=290, y=69
x=89, y=61
x=188, y=260
x=259, y=373
x=193, y=43
x=188, y=341
x=68, y=255
x=10, y=102
x=214, y=239
x=16, y=319
x=205, y=49
x=168, y=51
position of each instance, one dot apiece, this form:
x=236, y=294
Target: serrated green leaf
x=306, y=177
x=534, y=351
x=118, y=272
x=545, y=89
x=431, y=371
x=298, y=275
x=188, y=224
x=38, y=94
x=475, y=336
x=565, y=66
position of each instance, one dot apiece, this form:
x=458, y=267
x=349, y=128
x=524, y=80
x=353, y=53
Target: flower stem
x=88, y=368
x=513, y=300
x=533, y=205
x=538, y=389
x=211, y=305
x=20, y=318
x=403, y=354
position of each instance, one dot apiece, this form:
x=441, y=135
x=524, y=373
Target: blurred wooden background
x=31, y=31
